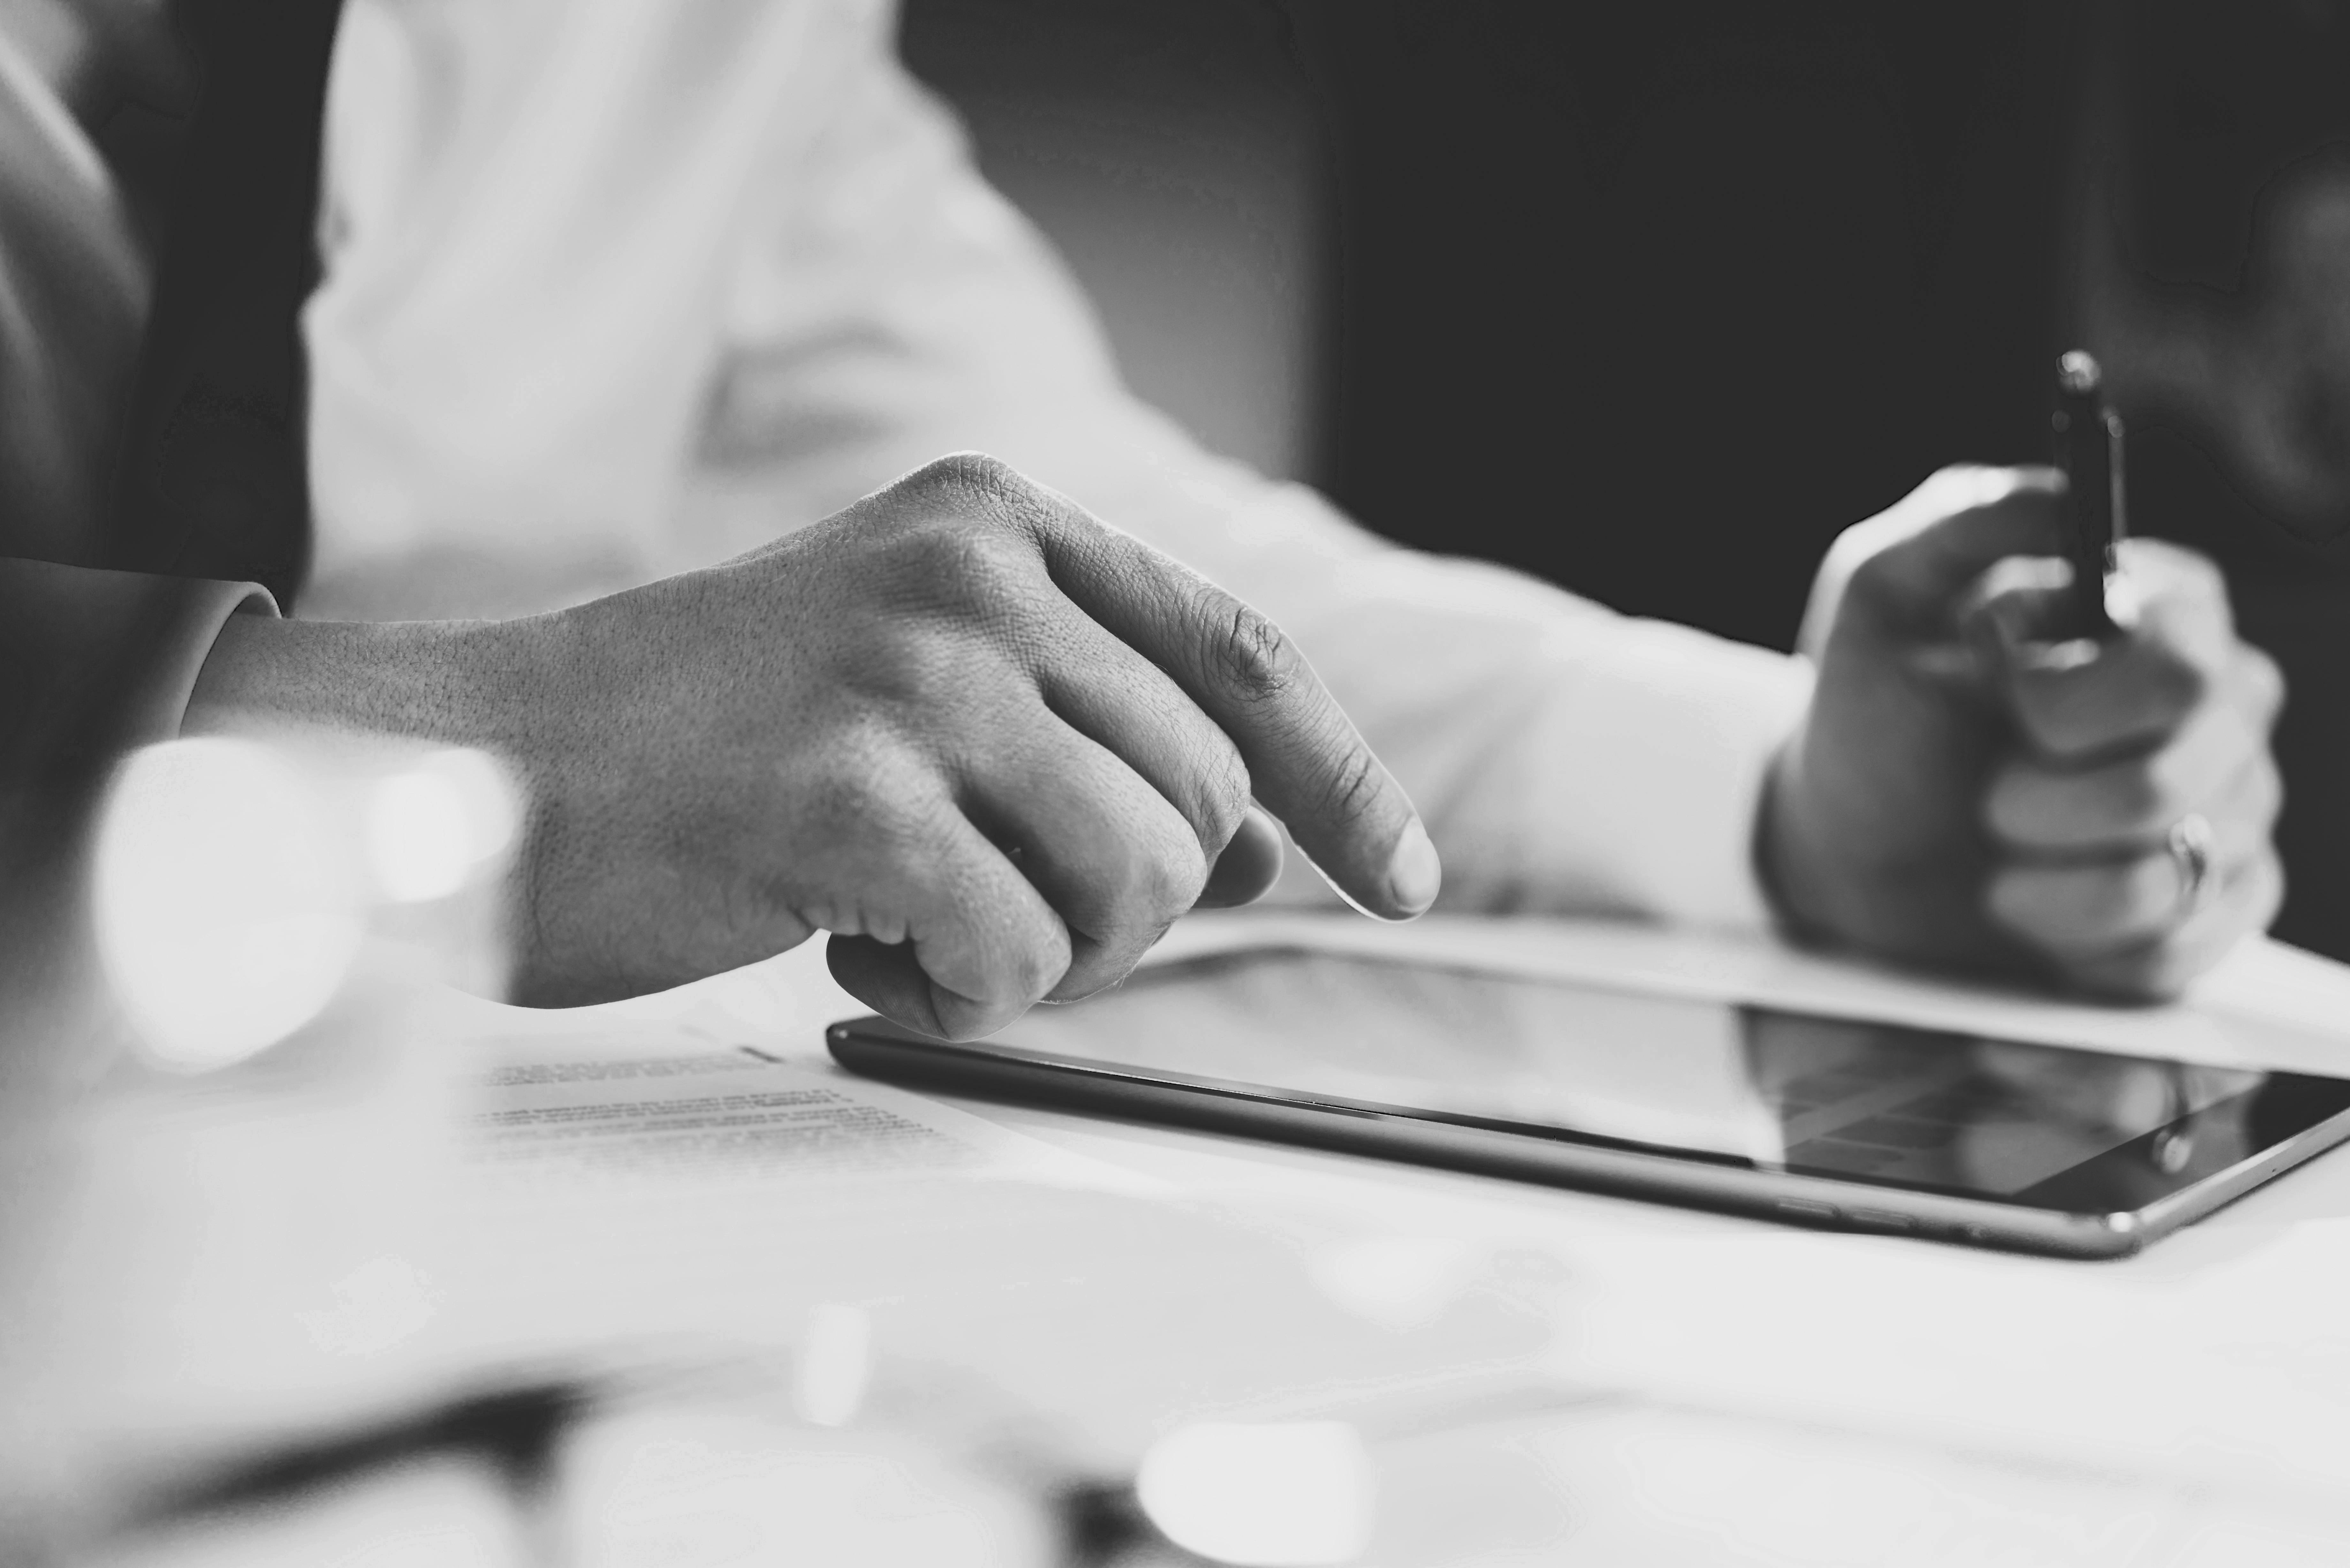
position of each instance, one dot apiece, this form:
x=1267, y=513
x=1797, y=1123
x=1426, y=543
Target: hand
x=992, y=746
x=1974, y=787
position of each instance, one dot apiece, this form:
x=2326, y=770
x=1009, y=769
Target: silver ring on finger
x=2191, y=842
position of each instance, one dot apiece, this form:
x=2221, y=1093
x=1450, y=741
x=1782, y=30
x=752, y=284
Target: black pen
x=2089, y=451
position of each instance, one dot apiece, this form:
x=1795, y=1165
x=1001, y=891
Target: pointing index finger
x=1307, y=761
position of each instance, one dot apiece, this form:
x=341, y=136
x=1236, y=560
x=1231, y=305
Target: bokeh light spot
x=428, y=826
x=224, y=906
x=1273, y=1495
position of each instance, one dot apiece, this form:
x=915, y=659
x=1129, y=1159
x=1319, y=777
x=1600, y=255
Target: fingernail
x=1414, y=874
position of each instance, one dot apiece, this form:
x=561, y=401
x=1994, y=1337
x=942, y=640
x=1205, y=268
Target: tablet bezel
x=878, y=1048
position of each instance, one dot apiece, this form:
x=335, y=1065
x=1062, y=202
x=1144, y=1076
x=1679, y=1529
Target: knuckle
x=1254, y=658
x=1015, y=968
x=1157, y=878
x=2263, y=681
x=1036, y=966
x=1220, y=790
x=2268, y=888
x=2268, y=794
x=939, y=678
x=1169, y=880
x=966, y=569
x=1949, y=490
x=968, y=478
x=903, y=672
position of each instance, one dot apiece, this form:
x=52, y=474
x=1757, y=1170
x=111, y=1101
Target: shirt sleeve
x=582, y=328
x=93, y=663
x=1566, y=758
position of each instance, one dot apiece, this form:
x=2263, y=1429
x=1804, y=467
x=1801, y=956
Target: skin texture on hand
x=992, y=746
x=1977, y=787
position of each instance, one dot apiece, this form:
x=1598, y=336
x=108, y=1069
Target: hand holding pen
x=1998, y=769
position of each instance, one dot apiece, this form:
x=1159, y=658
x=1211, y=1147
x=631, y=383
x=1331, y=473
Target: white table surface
x=2212, y=1372
x=1760, y=1393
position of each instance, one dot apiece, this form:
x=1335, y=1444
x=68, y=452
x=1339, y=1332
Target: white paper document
x=643, y=1104
x=711, y=1109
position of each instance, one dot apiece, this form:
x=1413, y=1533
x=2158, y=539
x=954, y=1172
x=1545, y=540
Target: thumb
x=1907, y=565
x=1249, y=866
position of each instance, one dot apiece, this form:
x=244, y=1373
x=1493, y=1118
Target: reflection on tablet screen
x=1878, y=1102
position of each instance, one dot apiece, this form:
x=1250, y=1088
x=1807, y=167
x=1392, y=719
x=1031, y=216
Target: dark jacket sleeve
x=92, y=664
x=95, y=662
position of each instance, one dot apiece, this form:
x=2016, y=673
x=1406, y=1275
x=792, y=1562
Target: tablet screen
x=1883, y=1103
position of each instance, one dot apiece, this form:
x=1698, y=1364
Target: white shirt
x=616, y=288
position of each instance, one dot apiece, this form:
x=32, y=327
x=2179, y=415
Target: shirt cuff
x=99, y=662
x=203, y=613
x=1636, y=775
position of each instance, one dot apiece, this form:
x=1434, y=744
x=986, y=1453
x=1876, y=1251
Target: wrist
x=459, y=682
x=1812, y=857
x=1786, y=859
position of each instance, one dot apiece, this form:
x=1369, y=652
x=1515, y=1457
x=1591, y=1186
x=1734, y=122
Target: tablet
x=1818, y=1120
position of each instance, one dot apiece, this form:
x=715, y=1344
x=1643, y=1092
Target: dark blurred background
x=1654, y=300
